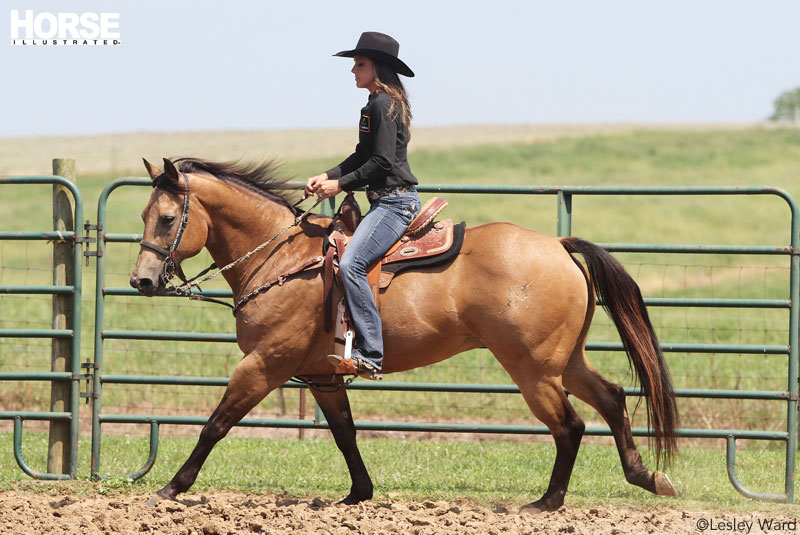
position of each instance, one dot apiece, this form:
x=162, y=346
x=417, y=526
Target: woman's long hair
x=388, y=82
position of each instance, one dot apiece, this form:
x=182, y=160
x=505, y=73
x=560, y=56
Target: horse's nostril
x=144, y=284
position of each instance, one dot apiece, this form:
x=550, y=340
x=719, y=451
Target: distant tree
x=787, y=107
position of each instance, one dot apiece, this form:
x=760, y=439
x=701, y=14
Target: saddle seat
x=424, y=243
x=423, y=238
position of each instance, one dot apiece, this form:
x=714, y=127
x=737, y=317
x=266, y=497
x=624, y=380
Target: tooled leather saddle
x=426, y=243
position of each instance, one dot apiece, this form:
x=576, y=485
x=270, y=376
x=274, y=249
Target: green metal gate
x=72, y=333
x=564, y=196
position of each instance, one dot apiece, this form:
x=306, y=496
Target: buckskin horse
x=428, y=315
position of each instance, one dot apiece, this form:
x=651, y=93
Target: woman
x=380, y=163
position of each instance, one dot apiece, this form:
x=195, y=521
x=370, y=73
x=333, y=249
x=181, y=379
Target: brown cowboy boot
x=354, y=366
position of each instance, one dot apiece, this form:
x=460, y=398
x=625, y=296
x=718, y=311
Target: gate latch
x=88, y=377
x=88, y=239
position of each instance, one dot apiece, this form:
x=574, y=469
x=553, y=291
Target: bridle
x=173, y=267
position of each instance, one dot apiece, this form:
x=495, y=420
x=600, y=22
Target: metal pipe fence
x=73, y=376
x=564, y=209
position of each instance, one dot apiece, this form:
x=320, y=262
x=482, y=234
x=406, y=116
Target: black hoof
x=353, y=499
x=165, y=494
x=540, y=506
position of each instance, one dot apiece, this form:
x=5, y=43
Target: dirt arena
x=225, y=513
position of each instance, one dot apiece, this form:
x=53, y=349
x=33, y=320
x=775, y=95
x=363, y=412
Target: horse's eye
x=167, y=219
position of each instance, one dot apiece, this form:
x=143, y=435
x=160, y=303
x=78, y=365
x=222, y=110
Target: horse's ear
x=169, y=168
x=152, y=170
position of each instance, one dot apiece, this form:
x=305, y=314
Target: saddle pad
x=393, y=267
x=436, y=239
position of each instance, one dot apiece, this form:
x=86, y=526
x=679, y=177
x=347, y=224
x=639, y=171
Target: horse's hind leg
x=248, y=385
x=547, y=400
x=336, y=408
x=608, y=399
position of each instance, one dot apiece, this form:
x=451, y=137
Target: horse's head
x=172, y=232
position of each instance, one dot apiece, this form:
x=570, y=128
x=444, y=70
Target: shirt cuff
x=348, y=182
x=334, y=173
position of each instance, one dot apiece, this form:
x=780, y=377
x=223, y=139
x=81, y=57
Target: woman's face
x=365, y=73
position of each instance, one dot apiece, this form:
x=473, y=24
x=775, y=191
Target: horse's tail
x=623, y=301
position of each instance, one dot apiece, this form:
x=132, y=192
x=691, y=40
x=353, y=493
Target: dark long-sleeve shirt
x=381, y=156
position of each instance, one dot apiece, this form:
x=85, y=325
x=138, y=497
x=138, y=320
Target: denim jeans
x=385, y=223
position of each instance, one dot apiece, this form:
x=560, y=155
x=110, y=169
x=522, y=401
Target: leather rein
x=173, y=267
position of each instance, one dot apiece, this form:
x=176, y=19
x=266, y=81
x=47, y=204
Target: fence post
x=564, y=222
x=59, y=451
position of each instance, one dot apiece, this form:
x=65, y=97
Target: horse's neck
x=238, y=223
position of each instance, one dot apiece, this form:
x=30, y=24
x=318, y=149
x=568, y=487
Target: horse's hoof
x=537, y=507
x=354, y=498
x=351, y=500
x=664, y=486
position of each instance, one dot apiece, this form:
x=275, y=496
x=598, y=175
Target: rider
x=380, y=163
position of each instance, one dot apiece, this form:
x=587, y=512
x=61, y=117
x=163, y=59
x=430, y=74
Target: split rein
x=173, y=268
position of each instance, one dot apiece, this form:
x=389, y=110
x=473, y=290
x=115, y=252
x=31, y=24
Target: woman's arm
x=350, y=164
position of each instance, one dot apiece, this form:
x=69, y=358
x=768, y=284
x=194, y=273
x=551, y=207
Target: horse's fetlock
x=638, y=475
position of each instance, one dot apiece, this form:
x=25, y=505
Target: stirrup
x=354, y=366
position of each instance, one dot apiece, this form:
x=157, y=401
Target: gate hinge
x=790, y=397
x=88, y=239
x=88, y=378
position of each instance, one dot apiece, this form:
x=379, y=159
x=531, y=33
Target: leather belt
x=376, y=194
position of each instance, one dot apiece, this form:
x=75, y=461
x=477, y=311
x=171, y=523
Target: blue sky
x=201, y=65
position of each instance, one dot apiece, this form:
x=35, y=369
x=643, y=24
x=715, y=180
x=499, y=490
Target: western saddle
x=423, y=239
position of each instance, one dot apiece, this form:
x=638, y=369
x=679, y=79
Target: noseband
x=171, y=267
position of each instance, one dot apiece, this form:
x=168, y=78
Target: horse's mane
x=257, y=177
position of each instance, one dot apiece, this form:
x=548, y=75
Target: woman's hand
x=327, y=188
x=312, y=184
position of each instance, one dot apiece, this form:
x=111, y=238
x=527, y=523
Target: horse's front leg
x=336, y=408
x=248, y=385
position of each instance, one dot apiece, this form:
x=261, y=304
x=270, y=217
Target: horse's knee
x=576, y=428
x=213, y=431
x=571, y=433
x=344, y=436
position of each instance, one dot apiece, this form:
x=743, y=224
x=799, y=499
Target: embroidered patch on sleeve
x=364, y=124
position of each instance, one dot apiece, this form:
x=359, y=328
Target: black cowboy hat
x=381, y=47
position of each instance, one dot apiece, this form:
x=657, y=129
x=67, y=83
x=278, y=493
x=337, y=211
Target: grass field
x=484, y=472
x=739, y=156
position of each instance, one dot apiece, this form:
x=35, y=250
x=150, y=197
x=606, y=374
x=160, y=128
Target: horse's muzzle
x=145, y=286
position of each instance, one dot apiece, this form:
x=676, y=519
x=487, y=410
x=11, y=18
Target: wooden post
x=59, y=448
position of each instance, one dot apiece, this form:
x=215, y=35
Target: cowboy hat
x=381, y=47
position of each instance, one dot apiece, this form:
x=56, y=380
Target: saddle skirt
x=425, y=243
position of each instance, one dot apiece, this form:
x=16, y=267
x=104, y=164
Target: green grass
x=485, y=472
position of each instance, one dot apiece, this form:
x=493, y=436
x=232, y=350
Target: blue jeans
x=385, y=223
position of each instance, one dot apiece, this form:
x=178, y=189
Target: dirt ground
x=223, y=513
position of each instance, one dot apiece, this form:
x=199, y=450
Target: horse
x=428, y=315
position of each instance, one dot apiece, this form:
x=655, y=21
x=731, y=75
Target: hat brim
x=395, y=62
